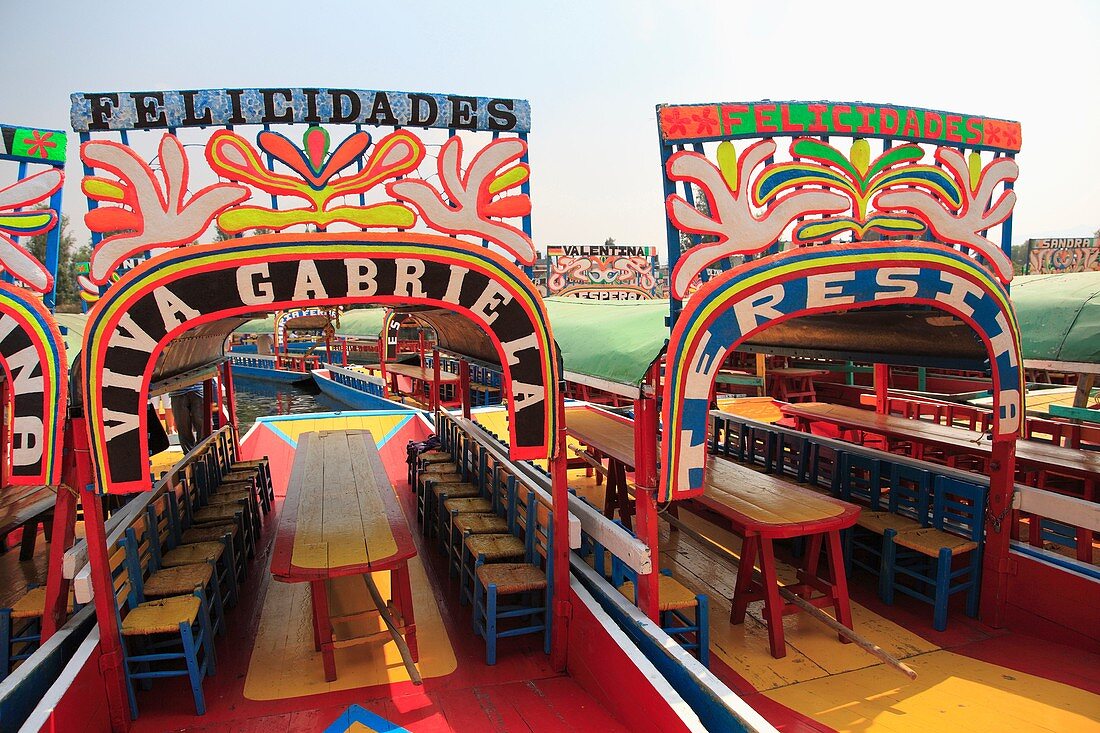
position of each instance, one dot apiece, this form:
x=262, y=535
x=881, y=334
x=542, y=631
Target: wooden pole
x=858, y=639
x=882, y=388
x=402, y=647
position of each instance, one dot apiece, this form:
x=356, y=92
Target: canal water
x=259, y=398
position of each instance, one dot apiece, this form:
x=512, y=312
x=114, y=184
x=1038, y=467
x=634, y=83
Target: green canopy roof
x=364, y=323
x=1059, y=316
x=612, y=341
x=257, y=326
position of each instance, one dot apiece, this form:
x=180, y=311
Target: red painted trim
x=604, y=670
x=61, y=539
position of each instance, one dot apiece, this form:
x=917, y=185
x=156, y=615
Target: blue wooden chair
x=674, y=599
x=861, y=480
x=166, y=630
x=529, y=587
x=489, y=548
x=907, y=510
x=21, y=628
x=168, y=551
x=928, y=555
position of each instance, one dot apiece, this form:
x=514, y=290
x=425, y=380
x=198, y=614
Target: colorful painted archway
x=33, y=357
x=741, y=302
x=174, y=292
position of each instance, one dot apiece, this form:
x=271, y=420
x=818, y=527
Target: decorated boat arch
x=31, y=347
x=804, y=223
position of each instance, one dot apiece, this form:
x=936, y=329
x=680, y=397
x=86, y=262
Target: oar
x=406, y=655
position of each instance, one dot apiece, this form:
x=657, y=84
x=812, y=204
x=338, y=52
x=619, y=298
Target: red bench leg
x=809, y=565
x=743, y=588
x=773, y=604
x=841, y=604
x=322, y=626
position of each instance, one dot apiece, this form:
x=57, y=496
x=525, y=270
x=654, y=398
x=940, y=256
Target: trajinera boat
x=475, y=560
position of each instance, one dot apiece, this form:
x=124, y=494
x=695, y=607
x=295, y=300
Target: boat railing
x=255, y=361
x=369, y=383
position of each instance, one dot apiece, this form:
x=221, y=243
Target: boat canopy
x=1059, y=318
x=362, y=323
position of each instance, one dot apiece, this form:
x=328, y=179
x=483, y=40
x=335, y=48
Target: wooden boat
x=339, y=578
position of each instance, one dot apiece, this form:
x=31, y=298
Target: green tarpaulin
x=614, y=341
x=1059, y=316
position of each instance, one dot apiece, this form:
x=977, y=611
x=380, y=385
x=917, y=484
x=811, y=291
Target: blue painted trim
x=269, y=375
x=1063, y=563
x=356, y=714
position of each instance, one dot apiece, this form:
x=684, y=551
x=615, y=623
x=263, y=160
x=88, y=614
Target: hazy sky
x=593, y=73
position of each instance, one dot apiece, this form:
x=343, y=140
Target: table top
x=340, y=515
x=608, y=433
x=795, y=372
x=771, y=505
x=1077, y=462
x=418, y=372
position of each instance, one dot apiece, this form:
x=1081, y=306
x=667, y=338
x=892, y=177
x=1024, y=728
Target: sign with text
x=1070, y=254
x=602, y=271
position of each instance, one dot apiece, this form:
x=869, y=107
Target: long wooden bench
x=341, y=518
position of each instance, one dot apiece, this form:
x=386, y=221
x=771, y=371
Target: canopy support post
x=882, y=388
x=559, y=491
x=207, y=408
x=997, y=566
x=111, y=659
x=464, y=387
x=62, y=536
x=645, y=481
x=435, y=399
x=230, y=404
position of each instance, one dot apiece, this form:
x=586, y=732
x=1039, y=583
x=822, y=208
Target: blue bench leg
x=889, y=557
x=702, y=618
x=943, y=582
x=491, y=625
x=974, y=595
x=194, y=674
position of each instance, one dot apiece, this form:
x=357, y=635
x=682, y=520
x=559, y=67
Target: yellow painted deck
x=378, y=425
x=284, y=663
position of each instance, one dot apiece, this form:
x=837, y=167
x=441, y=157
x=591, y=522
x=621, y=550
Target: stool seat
x=495, y=547
x=930, y=541
x=674, y=595
x=33, y=604
x=178, y=581
x=517, y=577
x=162, y=616
x=244, y=475
x=207, y=533
x=246, y=465
x=881, y=521
x=217, y=514
x=197, y=552
x=480, y=524
x=456, y=490
x=468, y=505
x=434, y=456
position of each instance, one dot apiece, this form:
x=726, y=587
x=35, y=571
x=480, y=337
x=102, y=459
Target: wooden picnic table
x=789, y=384
x=612, y=436
x=422, y=378
x=763, y=507
x=341, y=517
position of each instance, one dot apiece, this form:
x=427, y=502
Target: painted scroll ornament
x=148, y=215
x=727, y=187
x=316, y=182
x=473, y=201
x=27, y=192
x=964, y=224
